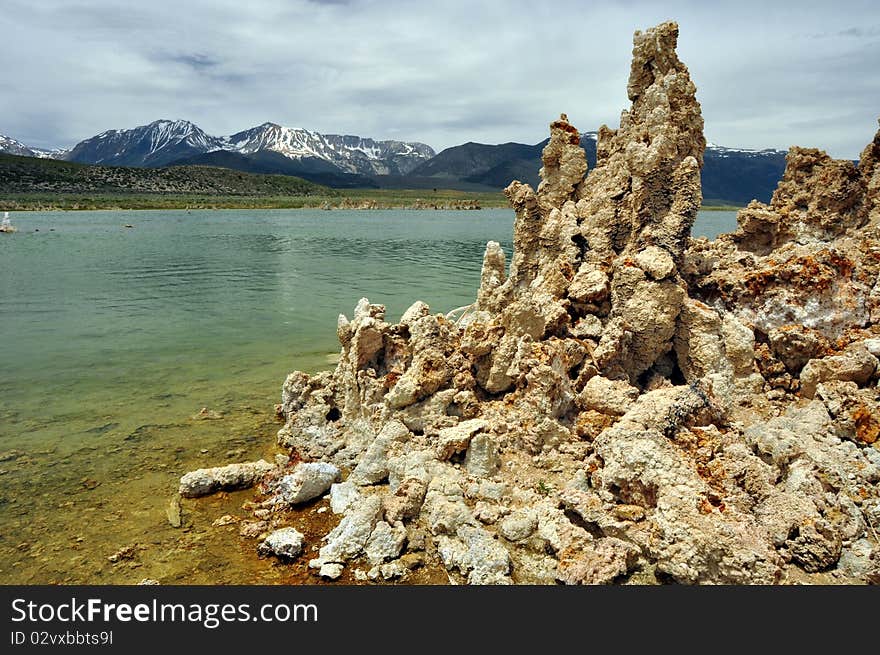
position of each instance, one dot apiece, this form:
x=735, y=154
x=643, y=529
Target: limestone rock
x=342, y=496
x=621, y=394
x=475, y=554
x=415, y=311
x=589, y=285
x=492, y=276
x=444, y=509
x=373, y=464
x=285, y=543
x=600, y=563
x=818, y=198
x=253, y=529
x=852, y=410
x=232, y=476
x=406, y=501
x=481, y=459
x=430, y=415
x=857, y=366
x=426, y=375
x=656, y=262
x=347, y=540
x=307, y=482
x=389, y=571
x=331, y=570
x=519, y=525
x=385, y=543
x=456, y=439
x=607, y=396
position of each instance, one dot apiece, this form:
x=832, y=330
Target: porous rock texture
x=625, y=403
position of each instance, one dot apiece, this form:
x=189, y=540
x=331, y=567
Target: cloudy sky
x=443, y=72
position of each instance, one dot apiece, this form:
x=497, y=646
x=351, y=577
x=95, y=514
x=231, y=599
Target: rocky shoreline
x=622, y=403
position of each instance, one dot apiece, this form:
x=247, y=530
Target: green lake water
x=113, y=338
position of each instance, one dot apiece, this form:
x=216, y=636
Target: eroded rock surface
x=623, y=403
x=202, y=482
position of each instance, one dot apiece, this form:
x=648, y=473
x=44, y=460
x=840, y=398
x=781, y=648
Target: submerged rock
x=173, y=512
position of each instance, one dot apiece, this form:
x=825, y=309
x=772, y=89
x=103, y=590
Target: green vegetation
x=347, y=199
x=92, y=201
x=721, y=208
x=27, y=183
x=336, y=199
x=424, y=197
x=27, y=175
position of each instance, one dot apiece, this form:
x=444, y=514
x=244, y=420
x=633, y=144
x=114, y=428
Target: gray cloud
x=198, y=61
x=852, y=32
x=444, y=73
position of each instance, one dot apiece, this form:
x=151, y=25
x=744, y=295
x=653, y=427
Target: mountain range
x=165, y=142
x=9, y=146
x=730, y=175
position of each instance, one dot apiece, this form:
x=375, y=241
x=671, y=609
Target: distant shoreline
x=355, y=199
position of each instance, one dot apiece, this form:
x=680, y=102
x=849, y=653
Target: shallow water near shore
x=115, y=337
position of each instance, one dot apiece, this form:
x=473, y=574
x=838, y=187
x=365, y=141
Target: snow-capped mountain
x=159, y=143
x=351, y=154
x=164, y=142
x=724, y=151
x=9, y=146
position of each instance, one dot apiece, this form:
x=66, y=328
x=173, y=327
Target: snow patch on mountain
x=166, y=141
x=352, y=154
x=724, y=151
x=155, y=144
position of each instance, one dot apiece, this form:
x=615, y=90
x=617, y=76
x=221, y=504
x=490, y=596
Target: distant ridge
x=164, y=142
x=268, y=162
x=730, y=175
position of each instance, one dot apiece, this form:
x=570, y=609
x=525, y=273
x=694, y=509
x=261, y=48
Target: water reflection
x=114, y=338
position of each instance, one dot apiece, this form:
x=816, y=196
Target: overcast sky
x=443, y=72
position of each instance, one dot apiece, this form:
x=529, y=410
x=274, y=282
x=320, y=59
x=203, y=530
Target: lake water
x=113, y=338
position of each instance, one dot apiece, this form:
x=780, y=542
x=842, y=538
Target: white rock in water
x=286, y=542
x=308, y=481
x=233, y=476
x=658, y=381
x=362, y=309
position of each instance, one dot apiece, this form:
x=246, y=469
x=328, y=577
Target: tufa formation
x=622, y=403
